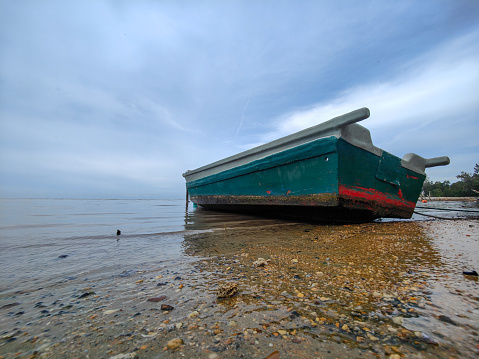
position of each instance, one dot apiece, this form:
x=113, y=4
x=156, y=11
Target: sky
x=116, y=99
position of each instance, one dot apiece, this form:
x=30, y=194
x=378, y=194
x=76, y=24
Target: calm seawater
x=47, y=241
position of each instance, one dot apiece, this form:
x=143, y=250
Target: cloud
x=430, y=107
x=119, y=98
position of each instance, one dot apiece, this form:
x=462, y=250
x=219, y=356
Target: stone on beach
x=260, y=262
x=111, y=311
x=227, y=290
x=193, y=314
x=157, y=299
x=10, y=305
x=174, y=343
x=125, y=356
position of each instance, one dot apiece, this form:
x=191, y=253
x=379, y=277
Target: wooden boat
x=331, y=172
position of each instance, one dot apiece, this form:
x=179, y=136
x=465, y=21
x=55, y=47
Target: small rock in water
x=84, y=295
x=125, y=356
x=474, y=273
x=446, y=319
x=194, y=314
x=227, y=290
x=110, y=311
x=6, y=306
x=157, y=299
x=174, y=343
x=260, y=262
x=166, y=307
x=273, y=355
x=293, y=314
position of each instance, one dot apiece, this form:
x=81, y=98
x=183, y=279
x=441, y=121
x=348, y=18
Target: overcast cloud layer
x=116, y=99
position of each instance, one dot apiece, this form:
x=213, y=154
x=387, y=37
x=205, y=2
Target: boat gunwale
x=329, y=128
x=344, y=127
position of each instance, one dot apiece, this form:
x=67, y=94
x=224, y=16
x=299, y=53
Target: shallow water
x=370, y=274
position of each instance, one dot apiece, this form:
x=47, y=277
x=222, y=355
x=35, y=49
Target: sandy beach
x=387, y=290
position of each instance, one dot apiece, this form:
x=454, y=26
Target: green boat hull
x=328, y=175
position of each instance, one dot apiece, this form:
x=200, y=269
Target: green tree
x=462, y=188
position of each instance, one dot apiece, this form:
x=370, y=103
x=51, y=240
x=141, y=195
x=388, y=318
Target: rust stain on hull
x=323, y=200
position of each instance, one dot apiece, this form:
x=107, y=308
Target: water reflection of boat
x=330, y=171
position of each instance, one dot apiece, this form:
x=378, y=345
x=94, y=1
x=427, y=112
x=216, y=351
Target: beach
x=214, y=285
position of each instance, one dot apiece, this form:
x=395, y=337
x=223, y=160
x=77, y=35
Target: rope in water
x=430, y=215
x=449, y=209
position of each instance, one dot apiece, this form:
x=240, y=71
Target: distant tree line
x=462, y=188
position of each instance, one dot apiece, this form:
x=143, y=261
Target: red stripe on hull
x=378, y=202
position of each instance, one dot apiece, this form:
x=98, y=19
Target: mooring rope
x=430, y=215
x=449, y=209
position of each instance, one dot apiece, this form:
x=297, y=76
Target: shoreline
x=366, y=290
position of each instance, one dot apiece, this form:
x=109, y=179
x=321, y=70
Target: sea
x=44, y=241
x=52, y=240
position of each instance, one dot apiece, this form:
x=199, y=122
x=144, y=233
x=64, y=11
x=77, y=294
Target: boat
x=328, y=172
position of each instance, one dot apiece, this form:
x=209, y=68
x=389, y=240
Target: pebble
x=110, y=311
x=446, y=319
x=260, y=262
x=157, y=299
x=174, y=343
x=226, y=290
x=273, y=355
x=10, y=305
x=398, y=320
x=166, y=307
x=194, y=314
x=125, y=356
x=43, y=347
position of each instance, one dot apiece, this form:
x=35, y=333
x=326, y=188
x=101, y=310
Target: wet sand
x=387, y=290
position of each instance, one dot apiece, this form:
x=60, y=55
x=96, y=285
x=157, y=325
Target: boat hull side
x=304, y=176
x=376, y=183
x=329, y=178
